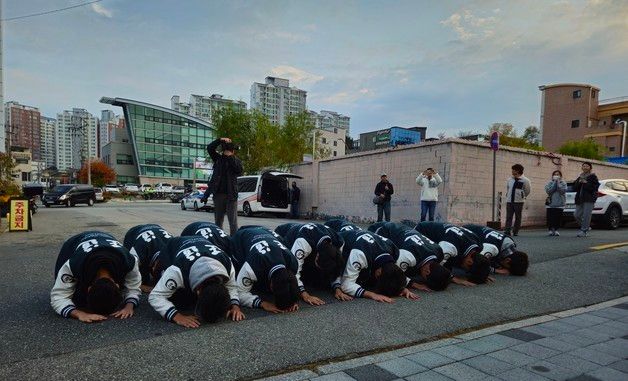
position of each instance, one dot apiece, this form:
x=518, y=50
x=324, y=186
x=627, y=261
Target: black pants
x=223, y=205
x=554, y=217
x=513, y=208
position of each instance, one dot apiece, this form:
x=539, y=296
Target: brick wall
x=344, y=186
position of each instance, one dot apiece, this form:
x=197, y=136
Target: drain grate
x=100, y=224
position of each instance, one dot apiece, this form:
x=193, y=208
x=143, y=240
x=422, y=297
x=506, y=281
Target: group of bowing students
x=212, y=275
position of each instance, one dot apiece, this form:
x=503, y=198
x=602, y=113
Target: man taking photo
x=224, y=182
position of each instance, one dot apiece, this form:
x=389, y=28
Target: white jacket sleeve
x=232, y=287
x=245, y=281
x=168, y=284
x=62, y=291
x=301, y=250
x=132, y=283
x=419, y=180
x=438, y=179
x=406, y=261
x=356, y=263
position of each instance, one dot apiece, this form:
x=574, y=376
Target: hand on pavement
x=188, y=321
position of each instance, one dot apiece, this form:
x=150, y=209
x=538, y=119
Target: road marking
x=608, y=246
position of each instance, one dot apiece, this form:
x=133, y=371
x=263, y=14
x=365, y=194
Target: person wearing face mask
x=586, y=186
x=555, y=202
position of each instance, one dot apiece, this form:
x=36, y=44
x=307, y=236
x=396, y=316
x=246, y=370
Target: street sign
x=495, y=141
x=19, y=217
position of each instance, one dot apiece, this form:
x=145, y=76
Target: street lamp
x=623, y=135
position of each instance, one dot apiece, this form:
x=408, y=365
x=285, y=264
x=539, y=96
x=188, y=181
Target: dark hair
x=588, y=163
x=330, y=260
x=213, y=299
x=228, y=146
x=519, y=263
x=430, y=169
x=439, y=277
x=392, y=280
x=285, y=289
x=518, y=168
x=480, y=269
x=103, y=296
x=561, y=174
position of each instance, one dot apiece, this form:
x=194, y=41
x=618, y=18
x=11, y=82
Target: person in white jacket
x=429, y=182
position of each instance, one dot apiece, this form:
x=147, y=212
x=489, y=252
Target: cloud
x=101, y=10
x=280, y=35
x=295, y=75
x=348, y=96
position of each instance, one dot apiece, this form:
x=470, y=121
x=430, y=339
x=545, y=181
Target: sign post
x=494, y=147
x=19, y=215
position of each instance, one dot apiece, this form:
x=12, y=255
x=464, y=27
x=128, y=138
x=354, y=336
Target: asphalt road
x=565, y=273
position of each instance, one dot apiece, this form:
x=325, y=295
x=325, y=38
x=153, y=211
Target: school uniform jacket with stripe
x=503, y=245
x=145, y=242
x=258, y=253
x=455, y=241
x=183, y=253
x=71, y=274
x=211, y=232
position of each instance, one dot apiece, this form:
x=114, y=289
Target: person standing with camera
x=224, y=182
x=383, y=191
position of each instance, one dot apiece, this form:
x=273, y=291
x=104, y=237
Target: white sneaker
x=556, y=233
x=582, y=233
x=551, y=233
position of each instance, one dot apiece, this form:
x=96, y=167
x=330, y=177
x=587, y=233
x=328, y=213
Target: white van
x=163, y=187
x=265, y=193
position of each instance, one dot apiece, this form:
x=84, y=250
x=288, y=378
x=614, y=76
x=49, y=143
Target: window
x=575, y=123
x=335, y=143
x=124, y=159
x=335, y=153
x=324, y=140
x=611, y=149
x=593, y=94
x=577, y=94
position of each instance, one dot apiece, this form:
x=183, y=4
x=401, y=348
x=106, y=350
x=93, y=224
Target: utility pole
x=80, y=126
x=4, y=142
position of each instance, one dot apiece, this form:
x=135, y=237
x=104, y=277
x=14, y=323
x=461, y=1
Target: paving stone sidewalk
x=585, y=344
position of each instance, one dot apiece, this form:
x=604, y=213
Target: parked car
x=177, y=197
x=70, y=195
x=178, y=189
x=611, y=206
x=112, y=188
x=145, y=187
x=131, y=188
x=163, y=188
x=268, y=192
x=99, y=195
x=193, y=201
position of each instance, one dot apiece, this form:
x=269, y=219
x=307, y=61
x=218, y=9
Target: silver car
x=611, y=206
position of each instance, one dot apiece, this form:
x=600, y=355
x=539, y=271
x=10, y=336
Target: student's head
x=557, y=173
x=517, y=170
x=587, y=167
x=480, y=268
x=435, y=275
x=390, y=279
x=384, y=178
x=516, y=263
x=285, y=289
x=213, y=299
x=329, y=260
x=103, y=296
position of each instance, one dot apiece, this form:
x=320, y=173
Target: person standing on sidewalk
x=295, y=196
x=555, y=202
x=518, y=188
x=224, y=182
x=586, y=186
x=383, y=190
x=429, y=182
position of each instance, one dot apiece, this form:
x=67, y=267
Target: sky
x=449, y=65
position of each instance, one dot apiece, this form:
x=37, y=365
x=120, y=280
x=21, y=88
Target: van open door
x=274, y=191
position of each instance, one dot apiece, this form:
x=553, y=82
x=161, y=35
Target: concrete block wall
x=344, y=186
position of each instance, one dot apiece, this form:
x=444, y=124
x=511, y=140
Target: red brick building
x=23, y=127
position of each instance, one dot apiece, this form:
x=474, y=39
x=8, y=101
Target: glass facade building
x=165, y=142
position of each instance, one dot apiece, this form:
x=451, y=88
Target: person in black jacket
x=383, y=191
x=224, y=182
x=295, y=196
x=586, y=186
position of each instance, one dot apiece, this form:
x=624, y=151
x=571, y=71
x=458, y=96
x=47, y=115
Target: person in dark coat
x=224, y=182
x=586, y=186
x=383, y=191
x=295, y=196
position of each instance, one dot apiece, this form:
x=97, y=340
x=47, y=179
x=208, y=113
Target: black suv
x=70, y=195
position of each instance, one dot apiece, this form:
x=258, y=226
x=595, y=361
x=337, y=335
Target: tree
x=101, y=174
x=464, y=133
x=264, y=144
x=7, y=186
x=532, y=135
x=504, y=129
x=441, y=135
x=587, y=149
